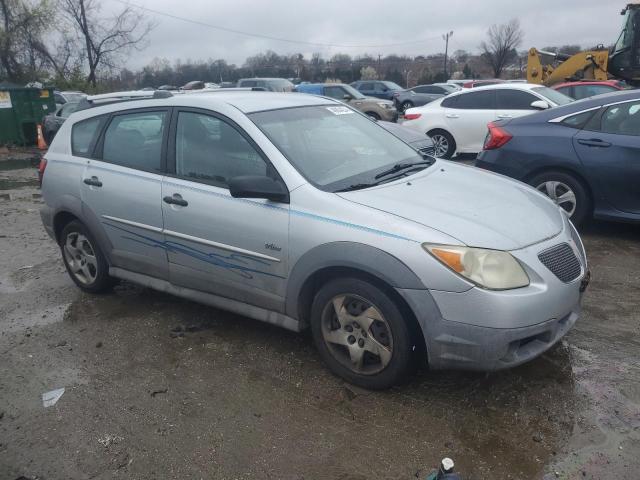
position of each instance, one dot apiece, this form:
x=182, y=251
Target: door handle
x=505, y=116
x=594, y=142
x=452, y=115
x=93, y=181
x=176, y=199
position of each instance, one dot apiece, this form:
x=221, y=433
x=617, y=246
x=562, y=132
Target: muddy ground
x=157, y=387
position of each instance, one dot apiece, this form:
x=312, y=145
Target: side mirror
x=258, y=186
x=347, y=97
x=539, y=105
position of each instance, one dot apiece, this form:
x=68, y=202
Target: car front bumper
x=481, y=329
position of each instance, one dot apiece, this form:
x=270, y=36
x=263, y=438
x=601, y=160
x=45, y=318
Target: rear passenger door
x=122, y=184
x=233, y=247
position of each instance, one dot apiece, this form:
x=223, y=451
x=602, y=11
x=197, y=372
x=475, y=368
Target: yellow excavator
x=621, y=62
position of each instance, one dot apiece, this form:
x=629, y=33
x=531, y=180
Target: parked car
x=373, y=107
x=377, y=88
x=298, y=211
x=585, y=89
x=583, y=155
x=53, y=121
x=194, y=85
x=458, y=122
x=63, y=97
x=420, y=95
x=269, y=84
x=482, y=83
x=421, y=143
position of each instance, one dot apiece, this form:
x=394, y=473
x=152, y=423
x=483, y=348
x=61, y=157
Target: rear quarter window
x=84, y=134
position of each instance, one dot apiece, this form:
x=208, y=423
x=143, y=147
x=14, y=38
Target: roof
x=246, y=101
x=612, y=83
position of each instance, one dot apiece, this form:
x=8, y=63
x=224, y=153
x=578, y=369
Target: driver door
x=232, y=247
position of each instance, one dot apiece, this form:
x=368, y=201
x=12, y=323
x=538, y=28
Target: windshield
x=332, y=146
x=392, y=86
x=553, y=95
x=353, y=92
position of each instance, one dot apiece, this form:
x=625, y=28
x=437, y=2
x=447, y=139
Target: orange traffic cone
x=42, y=145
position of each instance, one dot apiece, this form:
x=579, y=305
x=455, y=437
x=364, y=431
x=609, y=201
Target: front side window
x=134, y=140
x=366, y=86
x=211, y=150
x=621, y=119
x=514, y=100
x=483, y=100
x=83, y=135
x=335, y=92
x=332, y=146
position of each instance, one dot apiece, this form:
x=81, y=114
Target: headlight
x=492, y=269
x=385, y=105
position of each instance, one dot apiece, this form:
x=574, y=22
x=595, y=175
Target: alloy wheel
x=81, y=258
x=440, y=145
x=357, y=334
x=561, y=194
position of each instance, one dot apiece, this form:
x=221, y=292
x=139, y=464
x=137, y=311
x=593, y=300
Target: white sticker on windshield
x=340, y=110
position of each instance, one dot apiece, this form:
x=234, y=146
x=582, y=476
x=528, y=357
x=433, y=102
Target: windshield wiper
x=357, y=186
x=403, y=166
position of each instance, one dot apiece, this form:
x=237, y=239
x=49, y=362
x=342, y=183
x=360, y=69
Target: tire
x=561, y=186
x=347, y=341
x=406, y=105
x=373, y=115
x=89, y=272
x=444, y=146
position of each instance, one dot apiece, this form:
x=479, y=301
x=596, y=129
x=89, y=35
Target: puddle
x=12, y=184
x=19, y=163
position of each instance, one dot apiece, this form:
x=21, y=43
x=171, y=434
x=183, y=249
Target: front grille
x=427, y=151
x=562, y=262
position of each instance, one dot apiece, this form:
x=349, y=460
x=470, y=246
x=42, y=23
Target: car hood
x=478, y=208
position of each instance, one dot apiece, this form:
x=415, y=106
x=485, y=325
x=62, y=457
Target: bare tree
x=501, y=44
x=368, y=73
x=105, y=39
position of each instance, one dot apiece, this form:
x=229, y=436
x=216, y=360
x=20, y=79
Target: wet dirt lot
x=158, y=387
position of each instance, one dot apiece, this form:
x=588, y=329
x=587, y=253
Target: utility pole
x=446, y=37
x=379, y=56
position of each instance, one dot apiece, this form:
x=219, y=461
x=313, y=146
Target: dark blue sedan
x=584, y=155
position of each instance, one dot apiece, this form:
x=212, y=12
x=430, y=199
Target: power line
x=268, y=37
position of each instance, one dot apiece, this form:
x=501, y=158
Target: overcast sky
x=373, y=22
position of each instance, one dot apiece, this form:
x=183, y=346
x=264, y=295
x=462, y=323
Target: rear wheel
x=406, y=105
x=444, y=146
x=83, y=259
x=361, y=334
x=566, y=191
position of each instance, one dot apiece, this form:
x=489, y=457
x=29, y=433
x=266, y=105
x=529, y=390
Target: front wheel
x=361, y=334
x=444, y=146
x=373, y=116
x=566, y=191
x=83, y=259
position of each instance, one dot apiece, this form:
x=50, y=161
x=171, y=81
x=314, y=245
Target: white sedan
x=458, y=123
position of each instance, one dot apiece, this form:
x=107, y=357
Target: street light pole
x=446, y=37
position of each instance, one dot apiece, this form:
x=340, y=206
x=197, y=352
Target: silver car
x=300, y=211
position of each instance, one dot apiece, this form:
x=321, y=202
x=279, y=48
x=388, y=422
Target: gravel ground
x=157, y=387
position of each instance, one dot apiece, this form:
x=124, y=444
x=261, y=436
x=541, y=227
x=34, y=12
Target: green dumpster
x=21, y=110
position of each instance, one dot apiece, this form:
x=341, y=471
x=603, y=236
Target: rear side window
x=484, y=100
x=365, y=86
x=335, y=92
x=565, y=91
x=248, y=83
x=585, y=91
x=83, y=136
x=134, y=140
x=450, y=102
x=514, y=100
x=579, y=120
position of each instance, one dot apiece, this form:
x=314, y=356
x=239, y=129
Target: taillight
x=41, y=168
x=412, y=116
x=496, y=137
